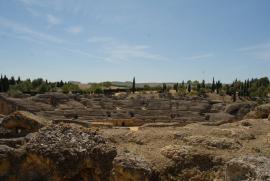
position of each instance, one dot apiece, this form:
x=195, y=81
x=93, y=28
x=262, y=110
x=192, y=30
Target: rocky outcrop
x=234, y=133
x=263, y=111
x=260, y=112
x=213, y=142
x=248, y=168
x=191, y=164
x=220, y=117
x=240, y=109
x=21, y=123
x=59, y=152
x=131, y=167
x=24, y=120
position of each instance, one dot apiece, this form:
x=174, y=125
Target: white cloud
x=254, y=47
x=27, y=32
x=84, y=53
x=32, y=3
x=127, y=53
x=117, y=52
x=257, y=51
x=97, y=39
x=199, y=57
x=75, y=29
x=52, y=20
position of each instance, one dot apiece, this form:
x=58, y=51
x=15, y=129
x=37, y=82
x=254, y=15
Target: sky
x=153, y=40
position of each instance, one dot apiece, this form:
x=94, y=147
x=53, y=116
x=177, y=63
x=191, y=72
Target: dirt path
x=134, y=128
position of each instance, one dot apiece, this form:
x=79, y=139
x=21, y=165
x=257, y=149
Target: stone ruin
x=124, y=110
x=180, y=138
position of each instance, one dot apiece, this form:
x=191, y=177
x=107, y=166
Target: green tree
x=5, y=84
x=1, y=84
x=12, y=81
x=213, y=87
x=203, y=84
x=133, y=85
x=69, y=87
x=98, y=90
x=218, y=86
x=164, y=88
x=18, y=80
x=43, y=88
x=176, y=87
x=189, y=87
x=37, y=82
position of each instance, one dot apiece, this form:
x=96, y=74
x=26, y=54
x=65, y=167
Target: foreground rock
x=22, y=122
x=248, y=168
x=192, y=164
x=131, y=167
x=59, y=152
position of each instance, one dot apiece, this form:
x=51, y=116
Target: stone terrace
x=141, y=108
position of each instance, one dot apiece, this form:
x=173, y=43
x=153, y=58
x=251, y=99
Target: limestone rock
x=221, y=116
x=188, y=156
x=60, y=152
x=234, y=133
x=131, y=167
x=213, y=142
x=239, y=109
x=248, y=168
x=191, y=164
x=25, y=121
x=263, y=111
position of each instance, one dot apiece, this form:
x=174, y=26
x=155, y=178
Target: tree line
x=250, y=88
x=247, y=88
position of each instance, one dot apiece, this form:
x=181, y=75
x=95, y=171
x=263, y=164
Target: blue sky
x=154, y=40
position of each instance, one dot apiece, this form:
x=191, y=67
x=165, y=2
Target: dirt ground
x=227, y=141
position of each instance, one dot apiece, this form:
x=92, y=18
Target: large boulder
x=59, y=152
x=191, y=163
x=263, y=111
x=24, y=121
x=131, y=167
x=240, y=109
x=220, y=117
x=248, y=168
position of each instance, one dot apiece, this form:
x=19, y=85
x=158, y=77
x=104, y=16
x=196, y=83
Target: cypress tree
x=189, y=87
x=213, y=88
x=5, y=84
x=183, y=85
x=218, y=86
x=133, y=85
x=234, y=95
x=203, y=84
x=164, y=87
x=1, y=83
x=176, y=87
x=198, y=87
x=12, y=81
x=18, y=80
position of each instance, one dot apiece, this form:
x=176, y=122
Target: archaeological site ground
x=127, y=136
